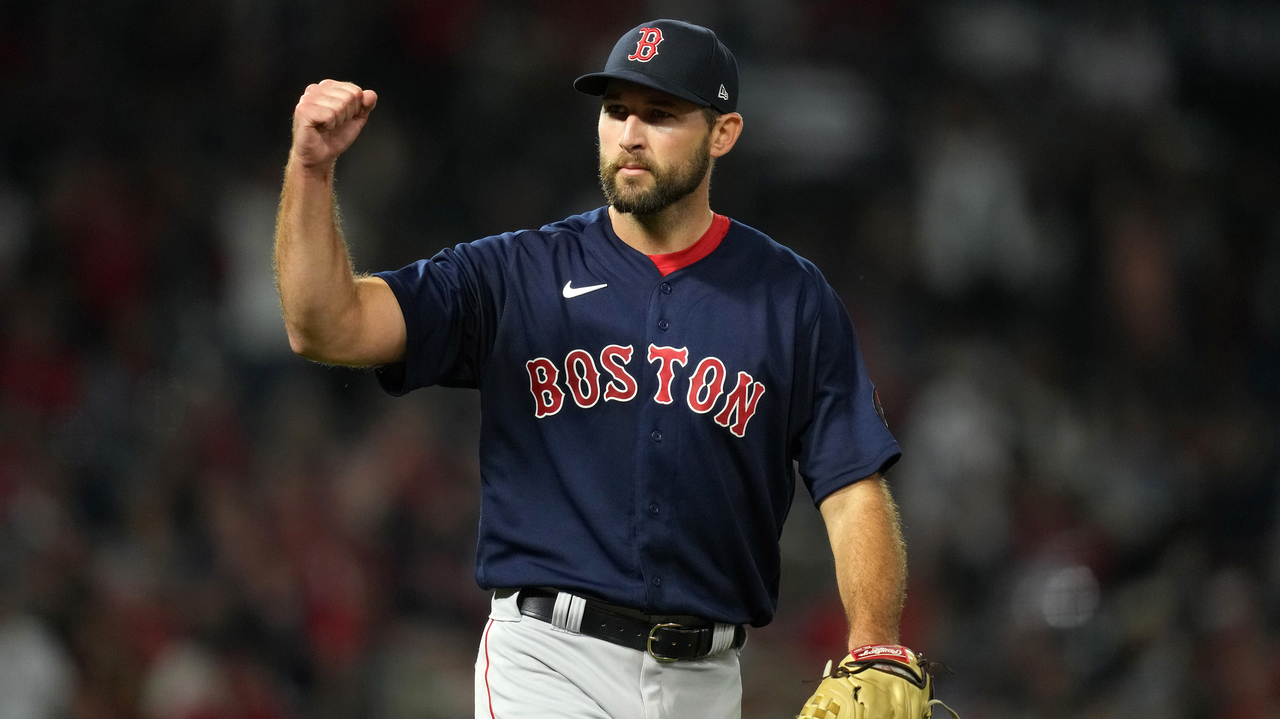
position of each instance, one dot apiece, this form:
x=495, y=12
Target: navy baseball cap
x=678, y=58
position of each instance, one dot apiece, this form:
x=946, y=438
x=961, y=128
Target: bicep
x=860, y=508
x=433, y=319
x=845, y=506
x=381, y=336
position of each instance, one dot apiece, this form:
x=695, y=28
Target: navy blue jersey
x=638, y=431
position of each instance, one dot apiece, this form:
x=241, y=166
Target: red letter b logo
x=647, y=48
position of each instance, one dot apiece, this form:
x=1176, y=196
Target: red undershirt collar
x=705, y=245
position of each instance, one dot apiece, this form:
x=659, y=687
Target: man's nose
x=632, y=137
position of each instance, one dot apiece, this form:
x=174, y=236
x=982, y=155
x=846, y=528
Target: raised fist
x=328, y=118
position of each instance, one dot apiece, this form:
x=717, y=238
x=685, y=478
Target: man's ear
x=724, y=134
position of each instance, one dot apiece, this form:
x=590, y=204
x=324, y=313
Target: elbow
x=298, y=345
x=327, y=340
x=310, y=337
x=302, y=344
x=322, y=348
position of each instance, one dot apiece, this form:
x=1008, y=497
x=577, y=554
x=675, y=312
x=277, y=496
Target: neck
x=670, y=230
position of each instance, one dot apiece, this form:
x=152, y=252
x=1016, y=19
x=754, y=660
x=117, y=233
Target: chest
x=585, y=339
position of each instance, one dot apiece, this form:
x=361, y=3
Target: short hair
x=710, y=114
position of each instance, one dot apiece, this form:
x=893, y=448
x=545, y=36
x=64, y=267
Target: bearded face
x=661, y=187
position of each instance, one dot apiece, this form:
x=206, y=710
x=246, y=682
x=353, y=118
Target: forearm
x=313, y=270
x=870, y=557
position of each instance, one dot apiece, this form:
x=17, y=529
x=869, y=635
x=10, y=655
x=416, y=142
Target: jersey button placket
x=653, y=493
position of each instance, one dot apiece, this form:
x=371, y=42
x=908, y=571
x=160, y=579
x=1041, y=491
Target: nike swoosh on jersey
x=571, y=291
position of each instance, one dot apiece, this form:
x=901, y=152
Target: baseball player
x=649, y=372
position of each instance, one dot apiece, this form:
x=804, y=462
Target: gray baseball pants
x=528, y=669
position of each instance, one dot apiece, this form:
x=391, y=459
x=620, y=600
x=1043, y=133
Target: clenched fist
x=328, y=118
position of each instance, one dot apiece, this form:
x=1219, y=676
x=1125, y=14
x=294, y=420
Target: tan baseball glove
x=879, y=681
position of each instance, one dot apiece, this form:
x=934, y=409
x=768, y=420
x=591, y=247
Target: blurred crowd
x=1056, y=226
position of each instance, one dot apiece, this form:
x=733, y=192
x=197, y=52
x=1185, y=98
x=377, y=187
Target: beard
x=670, y=184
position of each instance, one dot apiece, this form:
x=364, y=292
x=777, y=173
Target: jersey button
x=663, y=325
x=653, y=508
x=657, y=581
x=666, y=288
x=657, y=436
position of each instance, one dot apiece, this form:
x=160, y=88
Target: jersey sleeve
x=450, y=305
x=845, y=438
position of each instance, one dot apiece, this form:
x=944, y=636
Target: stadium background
x=1056, y=226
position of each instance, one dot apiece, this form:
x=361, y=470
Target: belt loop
x=722, y=639
x=567, y=614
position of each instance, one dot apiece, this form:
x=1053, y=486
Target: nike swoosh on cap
x=571, y=291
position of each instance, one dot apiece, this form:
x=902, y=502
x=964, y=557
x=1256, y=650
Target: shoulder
x=577, y=224
x=789, y=281
x=530, y=240
x=779, y=263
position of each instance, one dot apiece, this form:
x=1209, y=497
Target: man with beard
x=649, y=372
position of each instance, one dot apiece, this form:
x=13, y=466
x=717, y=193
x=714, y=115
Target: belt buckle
x=649, y=644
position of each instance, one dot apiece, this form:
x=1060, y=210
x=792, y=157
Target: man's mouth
x=632, y=168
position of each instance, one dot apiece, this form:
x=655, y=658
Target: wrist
x=858, y=640
x=882, y=652
x=892, y=659
x=313, y=172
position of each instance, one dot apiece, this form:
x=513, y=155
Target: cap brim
x=597, y=82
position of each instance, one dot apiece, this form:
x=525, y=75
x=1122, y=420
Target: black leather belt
x=664, y=641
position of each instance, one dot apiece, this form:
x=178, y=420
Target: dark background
x=1055, y=225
